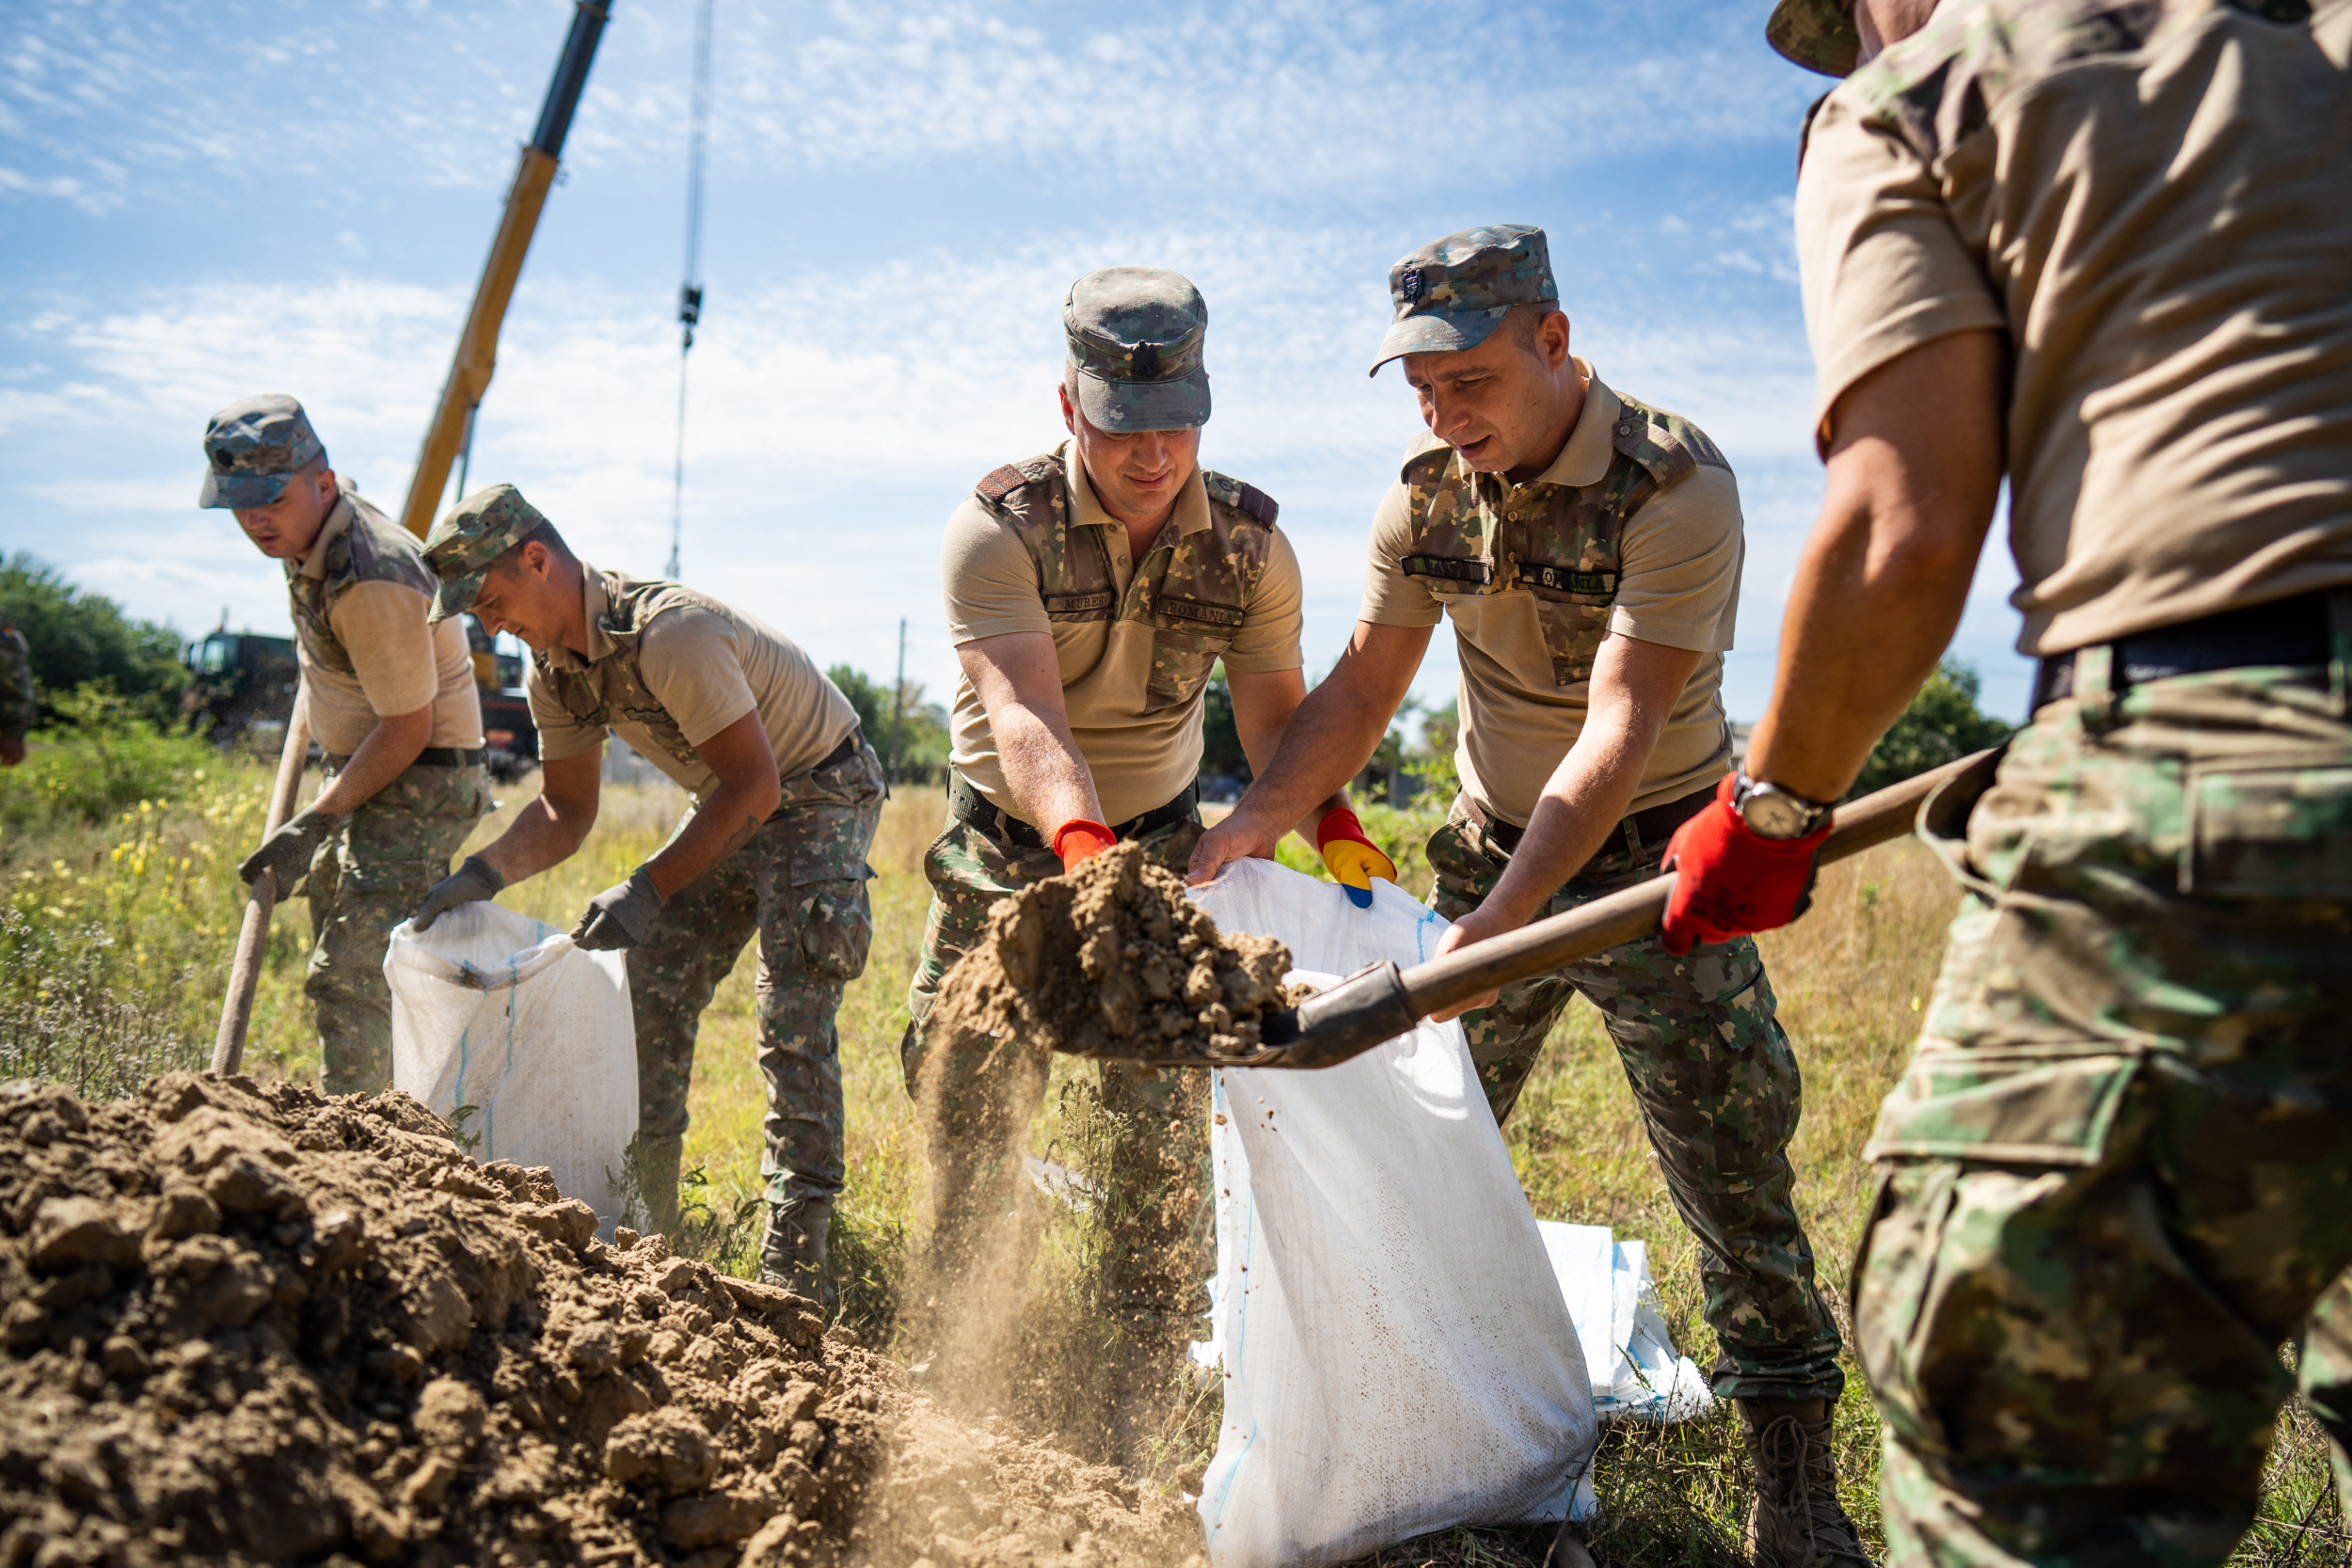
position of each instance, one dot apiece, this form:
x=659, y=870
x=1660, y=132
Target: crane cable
x=690, y=294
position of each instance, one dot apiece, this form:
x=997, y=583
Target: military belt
x=969, y=807
x=2297, y=632
x=840, y=755
x=432, y=757
x=1643, y=829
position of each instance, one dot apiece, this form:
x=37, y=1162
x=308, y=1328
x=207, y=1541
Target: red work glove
x=1078, y=841
x=1353, y=859
x=1731, y=881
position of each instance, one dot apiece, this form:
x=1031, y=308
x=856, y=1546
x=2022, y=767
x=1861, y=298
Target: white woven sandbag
x=504, y=1017
x=1398, y=1357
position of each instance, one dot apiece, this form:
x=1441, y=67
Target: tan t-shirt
x=2155, y=210
x=1679, y=585
x=706, y=667
x=1139, y=760
x=399, y=662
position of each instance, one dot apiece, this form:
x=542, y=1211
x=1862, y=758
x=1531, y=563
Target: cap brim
x=238, y=491
x=1123, y=407
x=1818, y=34
x=1439, y=332
x=455, y=595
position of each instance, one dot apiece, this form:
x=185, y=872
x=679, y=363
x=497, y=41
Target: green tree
x=869, y=697
x=78, y=638
x=1942, y=723
x=922, y=728
x=1220, y=739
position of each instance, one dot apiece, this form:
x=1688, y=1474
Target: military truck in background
x=239, y=681
x=513, y=739
x=241, y=691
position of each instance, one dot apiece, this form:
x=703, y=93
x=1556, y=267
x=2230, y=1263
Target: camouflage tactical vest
x=373, y=548
x=1474, y=534
x=613, y=689
x=1194, y=596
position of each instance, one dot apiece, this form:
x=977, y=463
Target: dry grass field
x=157, y=887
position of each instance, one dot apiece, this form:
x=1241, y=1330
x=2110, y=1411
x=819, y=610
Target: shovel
x=1379, y=1003
x=244, y=966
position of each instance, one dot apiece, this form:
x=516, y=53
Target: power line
x=690, y=294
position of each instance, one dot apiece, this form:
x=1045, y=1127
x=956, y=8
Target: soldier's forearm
x=383, y=756
x=1050, y=781
x=1331, y=735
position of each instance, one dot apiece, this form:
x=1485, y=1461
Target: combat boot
x=792, y=1254
x=1796, y=1520
x=657, y=1161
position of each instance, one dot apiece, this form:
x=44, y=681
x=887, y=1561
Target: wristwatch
x=1771, y=812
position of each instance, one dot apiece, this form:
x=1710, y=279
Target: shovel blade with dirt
x=1382, y=1001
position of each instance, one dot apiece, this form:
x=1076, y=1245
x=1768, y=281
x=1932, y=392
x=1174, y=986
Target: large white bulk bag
x=504, y=1020
x=1397, y=1353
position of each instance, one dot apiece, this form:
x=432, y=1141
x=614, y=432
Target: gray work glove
x=288, y=850
x=472, y=883
x=619, y=916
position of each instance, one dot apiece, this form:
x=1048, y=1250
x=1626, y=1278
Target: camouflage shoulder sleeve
x=1247, y=499
x=19, y=710
x=383, y=551
x=1668, y=446
x=999, y=485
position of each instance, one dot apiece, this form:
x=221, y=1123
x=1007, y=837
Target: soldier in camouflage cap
x=2094, y=252
x=1452, y=293
x=1587, y=549
x=1092, y=591
x=390, y=698
x=787, y=797
x=1818, y=34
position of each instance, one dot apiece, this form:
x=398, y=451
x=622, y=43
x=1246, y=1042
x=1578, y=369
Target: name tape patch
x=1567, y=579
x=1077, y=604
x=1193, y=610
x=1453, y=568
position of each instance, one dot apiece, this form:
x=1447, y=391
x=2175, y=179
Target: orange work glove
x=1352, y=859
x=1078, y=841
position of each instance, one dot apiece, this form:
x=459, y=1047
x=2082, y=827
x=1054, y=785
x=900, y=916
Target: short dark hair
x=543, y=534
x=1526, y=319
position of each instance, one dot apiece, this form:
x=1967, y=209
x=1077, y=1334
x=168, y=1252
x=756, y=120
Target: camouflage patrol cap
x=1451, y=294
x=469, y=536
x=251, y=446
x=1135, y=341
x=1818, y=34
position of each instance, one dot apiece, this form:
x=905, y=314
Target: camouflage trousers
x=367, y=877
x=978, y=1100
x=1719, y=1092
x=2118, y=1172
x=800, y=883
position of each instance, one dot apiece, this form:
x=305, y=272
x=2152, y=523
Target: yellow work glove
x=1353, y=860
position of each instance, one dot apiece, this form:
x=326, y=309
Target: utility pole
x=897, y=705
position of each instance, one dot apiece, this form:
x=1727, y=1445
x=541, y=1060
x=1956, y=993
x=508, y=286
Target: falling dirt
x=1112, y=956
x=241, y=1323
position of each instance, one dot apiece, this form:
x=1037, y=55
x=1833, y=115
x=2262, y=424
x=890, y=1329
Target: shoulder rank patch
x=1247, y=499
x=1001, y=483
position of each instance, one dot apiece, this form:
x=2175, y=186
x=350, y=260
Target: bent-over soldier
x=2099, y=250
x=1092, y=591
x=787, y=794
x=392, y=703
x=1587, y=548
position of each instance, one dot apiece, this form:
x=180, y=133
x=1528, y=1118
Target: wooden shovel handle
x=244, y=969
x=1637, y=912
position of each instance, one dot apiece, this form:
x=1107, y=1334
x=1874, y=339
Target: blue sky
x=202, y=200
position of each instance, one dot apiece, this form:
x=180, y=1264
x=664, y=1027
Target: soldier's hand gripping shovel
x=1383, y=1002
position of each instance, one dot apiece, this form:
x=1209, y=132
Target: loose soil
x=242, y=1324
x=1110, y=958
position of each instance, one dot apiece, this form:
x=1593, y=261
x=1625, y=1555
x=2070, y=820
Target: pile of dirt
x=242, y=1324
x=1109, y=956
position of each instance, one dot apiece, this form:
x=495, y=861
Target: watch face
x=1774, y=814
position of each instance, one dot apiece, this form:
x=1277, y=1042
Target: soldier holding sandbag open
x=1587, y=548
x=787, y=797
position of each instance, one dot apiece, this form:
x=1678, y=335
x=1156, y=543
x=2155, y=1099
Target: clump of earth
x=242, y=1324
x=1111, y=957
